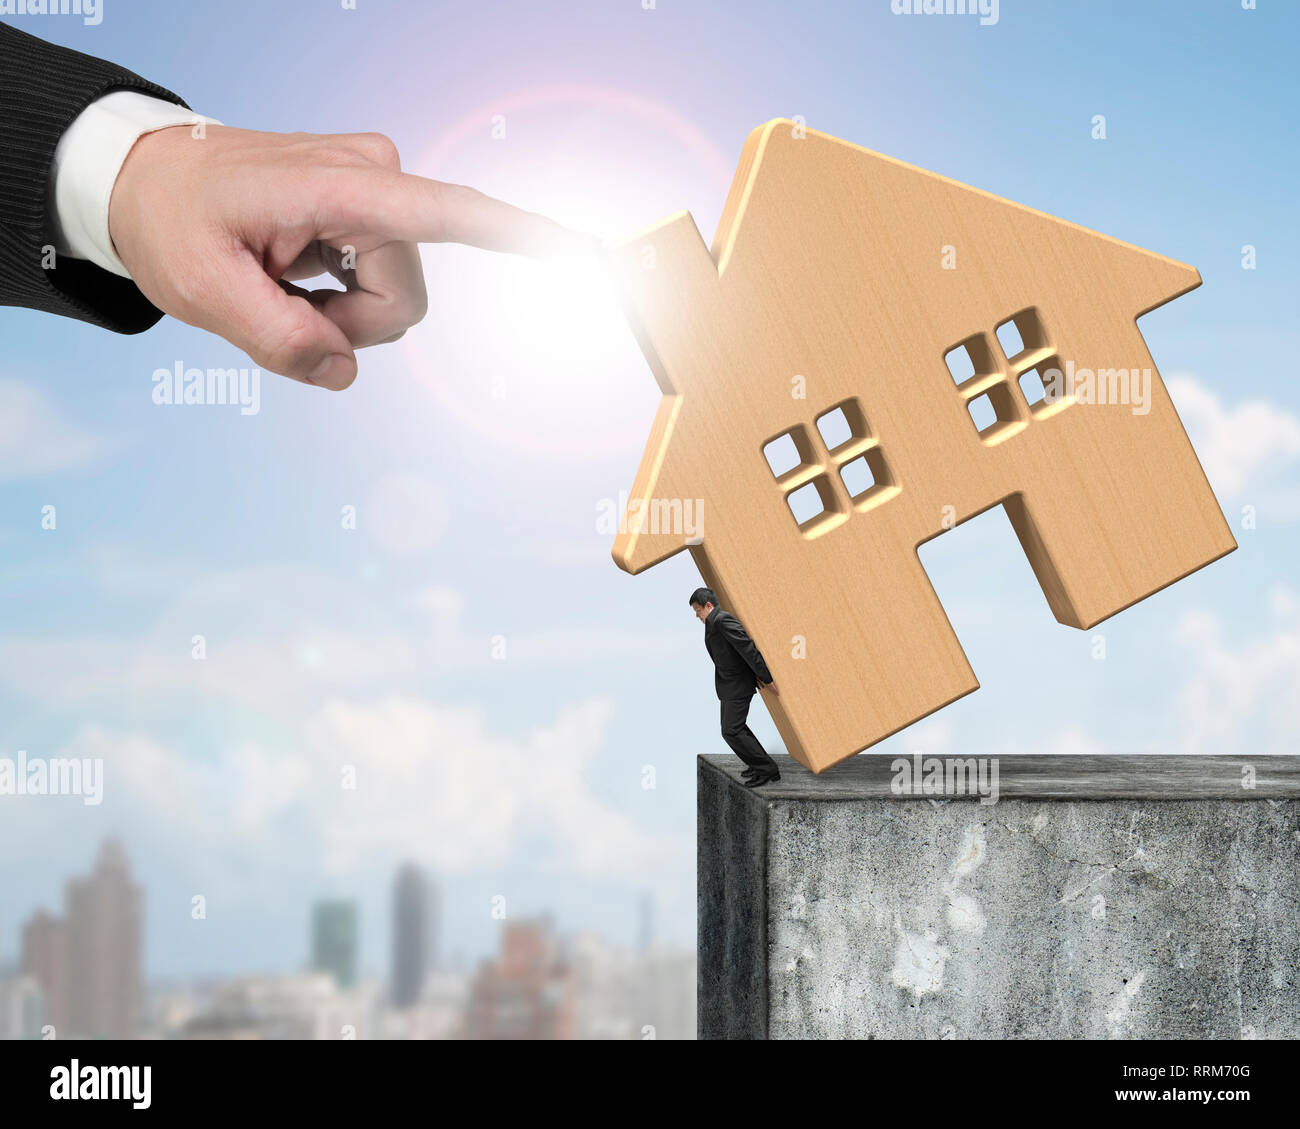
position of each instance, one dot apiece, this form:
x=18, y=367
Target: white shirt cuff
x=87, y=160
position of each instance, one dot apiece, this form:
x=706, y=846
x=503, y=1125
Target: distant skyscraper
x=529, y=993
x=414, y=941
x=334, y=940
x=103, y=932
x=44, y=960
x=22, y=1008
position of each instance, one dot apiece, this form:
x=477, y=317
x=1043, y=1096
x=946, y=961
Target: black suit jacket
x=738, y=667
x=42, y=90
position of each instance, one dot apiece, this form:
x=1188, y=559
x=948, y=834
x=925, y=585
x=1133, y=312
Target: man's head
x=703, y=601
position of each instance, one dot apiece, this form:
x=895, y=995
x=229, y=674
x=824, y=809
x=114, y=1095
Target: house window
x=808, y=503
x=994, y=411
x=1032, y=385
x=844, y=428
x=790, y=456
x=1010, y=340
x=1006, y=386
x=829, y=471
x=1021, y=334
x=970, y=360
x=782, y=454
x=834, y=429
x=1043, y=385
x=982, y=412
x=863, y=474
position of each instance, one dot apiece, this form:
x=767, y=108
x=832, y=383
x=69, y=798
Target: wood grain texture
x=840, y=278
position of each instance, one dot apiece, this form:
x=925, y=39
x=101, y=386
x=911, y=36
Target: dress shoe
x=759, y=779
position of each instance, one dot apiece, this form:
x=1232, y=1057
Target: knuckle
x=414, y=306
x=294, y=344
x=397, y=316
x=383, y=150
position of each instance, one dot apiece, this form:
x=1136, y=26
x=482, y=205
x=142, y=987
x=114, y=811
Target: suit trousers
x=740, y=737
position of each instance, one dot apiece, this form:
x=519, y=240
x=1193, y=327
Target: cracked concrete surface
x=866, y=915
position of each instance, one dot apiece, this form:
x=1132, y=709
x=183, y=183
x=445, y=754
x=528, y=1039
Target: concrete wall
x=1100, y=897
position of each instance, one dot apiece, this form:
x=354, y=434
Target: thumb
x=284, y=333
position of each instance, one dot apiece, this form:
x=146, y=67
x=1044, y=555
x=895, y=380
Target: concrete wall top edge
x=1043, y=777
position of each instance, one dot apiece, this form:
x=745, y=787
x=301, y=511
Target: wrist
x=150, y=154
x=90, y=157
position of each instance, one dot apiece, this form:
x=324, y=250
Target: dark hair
x=703, y=596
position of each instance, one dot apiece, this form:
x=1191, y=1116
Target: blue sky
x=478, y=450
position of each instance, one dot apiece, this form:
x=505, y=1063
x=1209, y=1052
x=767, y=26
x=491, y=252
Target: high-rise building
x=334, y=940
x=528, y=993
x=414, y=939
x=44, y=960
x=103, y=946
x=22, y=1008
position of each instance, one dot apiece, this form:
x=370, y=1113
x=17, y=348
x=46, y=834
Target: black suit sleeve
x=736, y=635
x=42, y=90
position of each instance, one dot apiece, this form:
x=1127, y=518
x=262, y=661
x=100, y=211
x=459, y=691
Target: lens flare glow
x=538, y=355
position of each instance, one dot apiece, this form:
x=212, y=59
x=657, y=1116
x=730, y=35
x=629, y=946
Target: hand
x=214, y=231
x=772, y=686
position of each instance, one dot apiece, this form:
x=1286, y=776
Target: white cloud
x=1243, y=700
x=34, y=437
x=280, y=675
x=283, y=639
x=436, y=782
x=432, y=782
x=442, y=603
x=1074, y=743
x=1239, y=447
x=931, y=738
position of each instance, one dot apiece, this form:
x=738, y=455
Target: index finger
x=414, y=209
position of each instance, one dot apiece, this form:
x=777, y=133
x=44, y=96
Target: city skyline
x=84, y=975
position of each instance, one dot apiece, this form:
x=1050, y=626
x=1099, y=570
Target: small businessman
x=739, y=669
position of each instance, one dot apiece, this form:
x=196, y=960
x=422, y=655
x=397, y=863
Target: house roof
x=827, y=264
